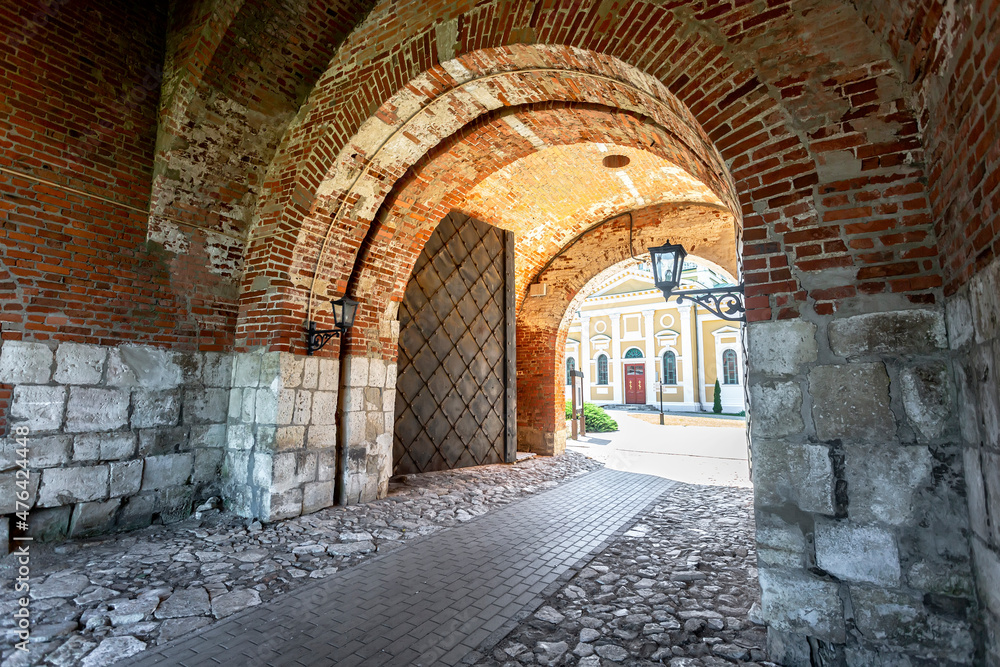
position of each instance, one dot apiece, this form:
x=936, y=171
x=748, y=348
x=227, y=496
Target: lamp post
x=723, y=302
x=344, y=310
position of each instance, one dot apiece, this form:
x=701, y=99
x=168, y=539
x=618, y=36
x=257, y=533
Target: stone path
x=100, y=599
x=678, y=588
x=435, y=601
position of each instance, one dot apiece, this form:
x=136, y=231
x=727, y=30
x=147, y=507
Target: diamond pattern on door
x=454, y=392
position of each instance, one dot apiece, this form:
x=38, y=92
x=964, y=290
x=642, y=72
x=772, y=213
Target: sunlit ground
x=683, y=449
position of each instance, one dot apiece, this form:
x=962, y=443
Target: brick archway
x=543, y=322
x=346, y=192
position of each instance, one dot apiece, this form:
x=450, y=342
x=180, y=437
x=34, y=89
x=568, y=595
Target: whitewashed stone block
x=958, y=316
x=324, y=408
x=316, y=496
x=310, y=373
x=126, y=478
x=39, y=408
x=236, y=467
x=265, y=470
x=987, y=564
x=883, y=481
x=851, y=402
x=782, y=347
x=205, y=406
x=208, y=436
x=143, y=366
x=9, y=491
x=65, y=486
x=779, y=543
x=796, y=602
x=270, y=368
x=23, y=362
x=217, y=370
x=390, y=376
x=247, y=371
x=357, y=371
x=285, y=505
x=926, y=393
x=289, y=438
x=976, y=491
x=291, y=370
x=93, y=409
x=160, y=472
x=329, y=374
x=777, y=409
x=801, y=475
x=857, y=553
x=303, y=407
x=79, y=364
x=207, y=465
x=985, y=301
x=152, y=408
x=991, y=481
x=917, y=331
x=239, y=436
x=43, y=451
x=266, y=406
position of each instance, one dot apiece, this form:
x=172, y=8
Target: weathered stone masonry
x=181, y=183
x=119, y=436
x=857, y=464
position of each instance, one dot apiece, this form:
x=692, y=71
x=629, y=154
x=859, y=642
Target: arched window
x=633, y=353
x=602, y=369
x=729, y=374
x=669, y=368
x=570, y=367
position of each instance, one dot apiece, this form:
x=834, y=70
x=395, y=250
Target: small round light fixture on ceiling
x=616, y=161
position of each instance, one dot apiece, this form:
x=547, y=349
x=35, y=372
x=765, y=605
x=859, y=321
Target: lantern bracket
x=724, y=302
x=317, y=338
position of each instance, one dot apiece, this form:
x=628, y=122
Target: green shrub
x=717, y=405
x=596, y=418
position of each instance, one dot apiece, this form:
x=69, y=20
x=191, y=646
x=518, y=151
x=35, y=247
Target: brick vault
x=184, y=184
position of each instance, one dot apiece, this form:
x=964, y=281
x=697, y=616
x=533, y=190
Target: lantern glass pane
x=350, y=310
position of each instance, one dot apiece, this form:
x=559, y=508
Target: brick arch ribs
x=543, y=322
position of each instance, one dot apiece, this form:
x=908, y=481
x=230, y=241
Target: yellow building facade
x=634, y=348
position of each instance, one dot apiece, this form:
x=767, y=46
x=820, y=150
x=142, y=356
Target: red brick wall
x=950, y=54
x=81, y=83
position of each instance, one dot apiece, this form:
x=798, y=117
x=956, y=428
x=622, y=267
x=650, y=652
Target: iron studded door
x=455, y=391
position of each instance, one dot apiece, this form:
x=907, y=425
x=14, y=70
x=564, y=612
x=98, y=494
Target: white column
x=616, y=351
x=703, y=399
x=651, y=385
x=687, y=354
x=585, y=355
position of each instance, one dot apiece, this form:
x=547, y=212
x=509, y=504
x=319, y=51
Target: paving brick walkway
x=435, y=600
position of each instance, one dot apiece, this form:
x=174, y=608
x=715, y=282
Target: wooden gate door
x=635, y=383
x=456, y=386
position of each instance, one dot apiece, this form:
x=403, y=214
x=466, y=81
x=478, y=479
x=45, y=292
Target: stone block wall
x=281, y=442
x=369, y=420
x=119, y=437
x=862, y=524
x=974, y=325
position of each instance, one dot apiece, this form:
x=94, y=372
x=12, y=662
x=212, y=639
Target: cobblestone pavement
x=94, y=601
x=439, y=598
x=678, y=588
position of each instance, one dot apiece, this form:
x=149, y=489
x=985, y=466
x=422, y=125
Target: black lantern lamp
x=344, y=310
x=723, y=302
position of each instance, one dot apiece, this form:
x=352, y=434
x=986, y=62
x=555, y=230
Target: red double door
x=635, y=383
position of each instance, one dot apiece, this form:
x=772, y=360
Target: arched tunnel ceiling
x=546, y=197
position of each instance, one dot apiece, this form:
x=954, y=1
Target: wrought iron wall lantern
x=723, y=302
x=344, y=310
